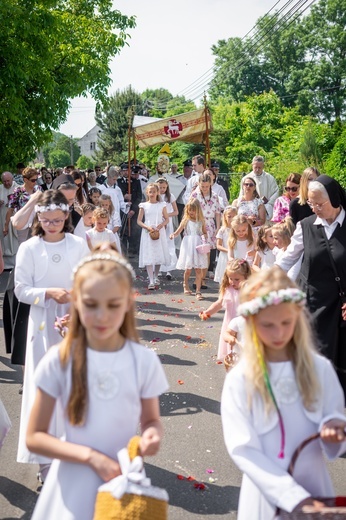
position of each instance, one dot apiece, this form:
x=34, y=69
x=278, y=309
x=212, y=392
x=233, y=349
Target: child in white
x=106, y=382
x=114, y=223
x=172, y=211
x=241, y=242
x=264, y=257
x=281, y=392
x=87, y=215
x=282, y=234
x=193, y=225
x=99, y=233
x=153, y=253
x=43, y=276
x=222, y=237
x=237, y=271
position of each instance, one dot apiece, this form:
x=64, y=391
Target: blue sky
x=170, y=48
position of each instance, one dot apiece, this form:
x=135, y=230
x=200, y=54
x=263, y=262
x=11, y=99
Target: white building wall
x=88, y=143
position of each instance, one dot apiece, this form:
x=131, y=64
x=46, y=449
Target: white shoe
x=156, y=281
x=160, y=274
x=151, y=287
x=210, y=275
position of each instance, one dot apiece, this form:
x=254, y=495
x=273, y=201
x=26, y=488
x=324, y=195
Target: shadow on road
x=19, y=496
x=214, y=500
x=172, y=404
x=167, y=359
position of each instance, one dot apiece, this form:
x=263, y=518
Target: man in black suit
x=130, y=231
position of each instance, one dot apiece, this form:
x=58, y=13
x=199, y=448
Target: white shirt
x=296, y=247
x=190, y=186
x=116, y=195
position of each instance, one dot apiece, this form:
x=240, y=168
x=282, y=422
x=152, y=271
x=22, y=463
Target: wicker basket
x=139, y=501
x=230, y=361
x=335, y=508
x=154, y=234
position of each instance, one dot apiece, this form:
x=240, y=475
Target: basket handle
x=299, y=450
x=133, y=447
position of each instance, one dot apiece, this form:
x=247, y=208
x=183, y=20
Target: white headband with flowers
x=289, y=295
x=105, y=257
x=51, y=207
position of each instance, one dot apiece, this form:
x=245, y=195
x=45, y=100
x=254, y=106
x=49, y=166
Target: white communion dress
x=117, y=381
x=41, y=265
x=253, y=439
x=153, y=252
x=189, y=257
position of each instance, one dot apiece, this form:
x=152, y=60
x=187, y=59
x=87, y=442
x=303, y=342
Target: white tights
x=153, y=271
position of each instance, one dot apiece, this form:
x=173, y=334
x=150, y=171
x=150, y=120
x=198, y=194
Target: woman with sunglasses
x=250, y=204
x=20, y=197
x=282, y=204
x=81, y=196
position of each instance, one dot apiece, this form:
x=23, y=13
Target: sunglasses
x=294, y=189
x=249, y=185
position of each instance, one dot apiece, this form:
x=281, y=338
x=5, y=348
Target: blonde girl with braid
x=281, y=392
x=105, y=381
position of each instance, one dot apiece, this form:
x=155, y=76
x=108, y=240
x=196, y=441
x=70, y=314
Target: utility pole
x=71, y=149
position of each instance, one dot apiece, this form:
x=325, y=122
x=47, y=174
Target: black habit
x=317, y=279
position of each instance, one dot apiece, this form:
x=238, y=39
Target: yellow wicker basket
x=140, y=501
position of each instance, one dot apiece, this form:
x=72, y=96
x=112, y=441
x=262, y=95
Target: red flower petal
x=180, y=477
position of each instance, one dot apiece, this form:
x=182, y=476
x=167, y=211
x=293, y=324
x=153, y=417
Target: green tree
x=69, y=145
x=335, y=164
x=114, y=119
x=59, y=158
x=85, y=162
x=50, y=52
x=326, y=73
x=251, y=127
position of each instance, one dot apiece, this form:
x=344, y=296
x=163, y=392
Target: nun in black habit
x=322, y=240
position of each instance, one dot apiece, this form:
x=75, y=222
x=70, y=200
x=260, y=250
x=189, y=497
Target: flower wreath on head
x=248, y=310
x=290, y=295
x=52, y=207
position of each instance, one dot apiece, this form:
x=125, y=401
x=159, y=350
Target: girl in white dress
x=222, y=242
x=106, y=383
x=280, y=393
x=241, y=242
x=100, y=234
x=264, y=257
x=195, y=231
x=114, y=223
x=153, y=253
x=172, y=211
x=43, y=280
x=87, y=215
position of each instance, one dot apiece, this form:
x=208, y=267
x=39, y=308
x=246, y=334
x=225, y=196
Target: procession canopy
x=190, y=127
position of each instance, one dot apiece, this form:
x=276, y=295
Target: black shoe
x=204, y=287
x=193, y=286
x=20, y=391
x=168, y=276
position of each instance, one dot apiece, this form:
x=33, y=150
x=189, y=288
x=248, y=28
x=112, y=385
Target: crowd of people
x=69, y=239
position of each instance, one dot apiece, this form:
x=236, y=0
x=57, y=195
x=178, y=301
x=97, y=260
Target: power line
x=260, y=37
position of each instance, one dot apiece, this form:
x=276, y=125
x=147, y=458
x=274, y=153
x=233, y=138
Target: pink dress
x=230, y=304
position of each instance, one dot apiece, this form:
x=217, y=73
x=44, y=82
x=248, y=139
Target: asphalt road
x=193, y=445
